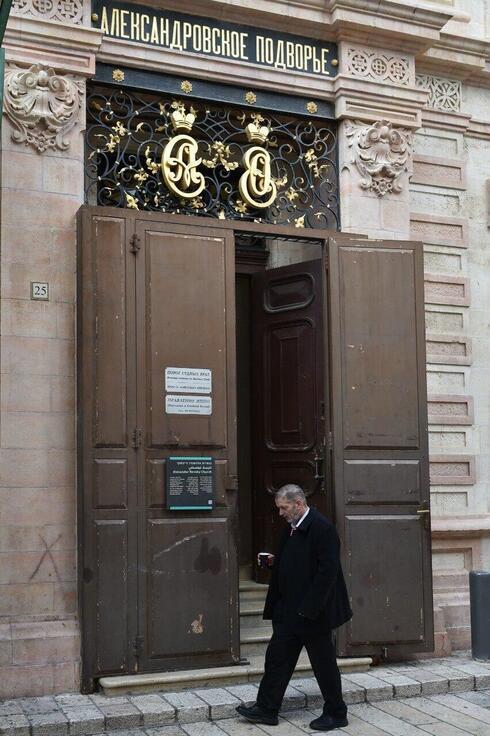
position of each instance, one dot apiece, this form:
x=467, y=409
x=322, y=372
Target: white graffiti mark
x=184, y=540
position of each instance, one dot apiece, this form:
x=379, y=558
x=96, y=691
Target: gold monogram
x=256, y=182
x=179, y=167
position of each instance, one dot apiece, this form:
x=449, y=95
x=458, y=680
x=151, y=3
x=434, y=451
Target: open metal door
x=380, y=454
x=158, y=587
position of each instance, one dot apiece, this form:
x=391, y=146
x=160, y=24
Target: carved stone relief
x=64, y=11
x=41, y=105
x=381, y=153
x=379, y=66
x=445, y=94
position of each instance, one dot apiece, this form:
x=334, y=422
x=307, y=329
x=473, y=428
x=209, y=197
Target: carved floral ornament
x=381, y=153
x=63, y=11
x=42, y=106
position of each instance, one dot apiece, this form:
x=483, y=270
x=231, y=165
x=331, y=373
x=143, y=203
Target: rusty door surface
x=380, y=454
x=160, y=586
x=288, y=397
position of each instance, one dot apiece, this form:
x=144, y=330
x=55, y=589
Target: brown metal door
x=288, y=404
x=380, y=457
x=106, y=460
x=188, y=612
x=159, y=587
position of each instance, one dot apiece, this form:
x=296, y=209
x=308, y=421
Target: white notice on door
x=189, y=380
x=188, y=404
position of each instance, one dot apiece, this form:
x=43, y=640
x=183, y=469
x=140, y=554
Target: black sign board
x=190, y=483
x=211, y=37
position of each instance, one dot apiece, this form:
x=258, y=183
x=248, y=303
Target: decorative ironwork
x=163, y=154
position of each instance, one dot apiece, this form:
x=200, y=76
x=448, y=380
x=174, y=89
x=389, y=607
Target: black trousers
x=281, y=658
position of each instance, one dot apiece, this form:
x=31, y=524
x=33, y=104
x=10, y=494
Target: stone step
x=251, y=591
x=249, y=596
x=252, y=585
x=254, y=640
x=212, y=676
x=251, y=614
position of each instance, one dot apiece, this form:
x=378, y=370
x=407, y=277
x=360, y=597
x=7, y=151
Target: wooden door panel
x=379, y=330
x=384, y=553
x=109, y=337
x=288, y=408
x=110, y=483
x=188, y=569
x=111, y=620
x=382, y=481
x=181, y=273
x=380, y=451
x=107, y=463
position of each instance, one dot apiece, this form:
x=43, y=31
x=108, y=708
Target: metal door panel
x=384, y=552
x=186, y=319
x=380, y=451
x=185, y=295
x=187, y=582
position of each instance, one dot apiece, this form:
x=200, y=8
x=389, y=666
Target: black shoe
x=255, y=714
x=328, y=723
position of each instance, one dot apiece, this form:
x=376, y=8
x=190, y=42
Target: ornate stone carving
x=381, y=152
x=381, y=67
x=445, y=94
x=64, y=11
x=41, y=105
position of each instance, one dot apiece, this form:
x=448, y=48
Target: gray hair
x=291, y=492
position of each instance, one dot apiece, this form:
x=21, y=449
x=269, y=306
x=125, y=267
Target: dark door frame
x=247, y=263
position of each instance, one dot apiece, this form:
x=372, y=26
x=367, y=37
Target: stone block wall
x=448, y=213
x=41, y=193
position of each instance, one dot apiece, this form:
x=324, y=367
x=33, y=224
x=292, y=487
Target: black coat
x=307, y=584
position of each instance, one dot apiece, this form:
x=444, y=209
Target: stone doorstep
x=79, y=715
x=213, y=676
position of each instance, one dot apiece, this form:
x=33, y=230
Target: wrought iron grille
x=127, y=133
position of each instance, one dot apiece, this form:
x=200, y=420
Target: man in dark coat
x=307, y=598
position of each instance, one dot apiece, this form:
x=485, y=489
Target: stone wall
x=449, y=213
x=41, y=193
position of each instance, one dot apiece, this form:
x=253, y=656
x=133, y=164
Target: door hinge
x=330, y=441
x=134, y=243
x=136, y=438
x=231, y=483
x=138, y=646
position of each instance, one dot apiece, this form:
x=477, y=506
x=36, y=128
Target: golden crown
x=257, y=133
x=182, y=120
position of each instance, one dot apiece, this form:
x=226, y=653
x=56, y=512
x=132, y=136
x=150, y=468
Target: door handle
x=423, y=511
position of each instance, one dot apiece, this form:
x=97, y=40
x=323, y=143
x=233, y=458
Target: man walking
x=307, y=598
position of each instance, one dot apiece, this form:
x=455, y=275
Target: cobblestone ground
x=443, y=697
x=438, y=715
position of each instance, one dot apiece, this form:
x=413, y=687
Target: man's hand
x=265, y=559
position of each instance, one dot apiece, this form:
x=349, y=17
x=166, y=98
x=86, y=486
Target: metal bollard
x=480, y=614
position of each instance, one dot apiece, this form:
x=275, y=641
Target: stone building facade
x=415, y=76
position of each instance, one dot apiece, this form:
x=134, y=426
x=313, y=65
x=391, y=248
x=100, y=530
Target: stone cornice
x=460, y=526
x=458, y=122
x=403, y=26
x=367, y=100
x=66, y=48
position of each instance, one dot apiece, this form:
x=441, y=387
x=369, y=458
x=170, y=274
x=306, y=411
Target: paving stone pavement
x=443, y=697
